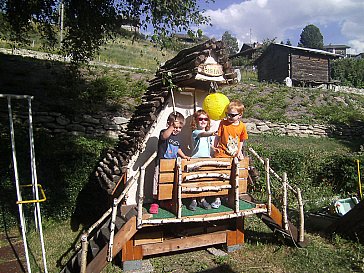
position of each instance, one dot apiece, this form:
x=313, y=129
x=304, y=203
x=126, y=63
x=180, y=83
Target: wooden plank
x=168, y=177
x=148, y=238
x=185, y=243
x=240, y=236
x=243, y=185
x=231, y=237
x=276, y=215
x=167, y=165
x=201, y=194
x=120, y=239
x=206, y=184
x=216, y=228
x=165, y=191
x=194, y=160
x=129, y=252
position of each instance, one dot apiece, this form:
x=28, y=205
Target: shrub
x=321, y=168
x=349, y=72
x=65, y=169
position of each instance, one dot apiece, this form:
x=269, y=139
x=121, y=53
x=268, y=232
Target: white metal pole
x=61, y=24
x=35, y=183
x=18, y=194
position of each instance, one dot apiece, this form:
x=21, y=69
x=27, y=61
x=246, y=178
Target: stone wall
x=304, y=130
x=100, y=124
x=108, y=124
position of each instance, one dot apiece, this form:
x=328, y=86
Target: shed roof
x=298, y=49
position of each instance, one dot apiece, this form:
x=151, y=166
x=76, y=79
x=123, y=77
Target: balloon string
x=173, y=104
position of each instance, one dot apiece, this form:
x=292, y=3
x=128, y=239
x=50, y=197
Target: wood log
x=196, y=166
x=116, y=170
x=186, y=59
x=183, y=53
x=188, y=65
x=207, y=175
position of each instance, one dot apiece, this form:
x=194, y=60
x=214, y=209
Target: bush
x=321, y=168
x=65, y=168
x=349, y=72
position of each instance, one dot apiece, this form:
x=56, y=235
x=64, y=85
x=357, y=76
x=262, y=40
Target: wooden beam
x=185, y=243
x=130, y=252
x=121, y=238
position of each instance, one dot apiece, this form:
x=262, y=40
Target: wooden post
x=129, y=252
x=84, y=245
x=141, y=197
x=301, y=230
x=236, y=186
x=267, y=175
x=179, y=188
x=236, y=236
x=284, y=208
x=112, y=230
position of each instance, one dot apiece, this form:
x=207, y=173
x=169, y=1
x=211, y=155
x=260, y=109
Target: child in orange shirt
x=231, y=136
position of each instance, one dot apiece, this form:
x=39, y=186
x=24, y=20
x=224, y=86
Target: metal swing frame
x=34, y=185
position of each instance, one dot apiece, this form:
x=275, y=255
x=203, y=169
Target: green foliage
x=89, y=24
x=349, y=72
x=114, y=88
x=311, y=37
x=231, y=43
x=22, y=18
x=321, y=168
x=277, y=103
x=64, y=168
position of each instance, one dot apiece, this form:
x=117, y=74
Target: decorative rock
x=62, y=120
x=76, y=127
x=90, y=119
x=120, y=120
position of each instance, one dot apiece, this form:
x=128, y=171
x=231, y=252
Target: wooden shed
x=304, y=66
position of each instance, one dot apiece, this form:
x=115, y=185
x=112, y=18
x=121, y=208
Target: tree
x=231, y=43
x=89, y=24
x=311, y=37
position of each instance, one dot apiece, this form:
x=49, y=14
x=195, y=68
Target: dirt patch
x=12, y=256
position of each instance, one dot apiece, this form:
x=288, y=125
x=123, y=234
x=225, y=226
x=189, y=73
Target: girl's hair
x=195, y=116
x=237, y=105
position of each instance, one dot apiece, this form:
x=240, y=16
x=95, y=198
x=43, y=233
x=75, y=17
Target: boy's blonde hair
x=237, y=105
x=194, y=118
x=177, y=116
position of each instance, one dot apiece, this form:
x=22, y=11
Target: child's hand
x=240, y=156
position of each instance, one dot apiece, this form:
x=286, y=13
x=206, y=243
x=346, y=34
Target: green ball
x=215, y=105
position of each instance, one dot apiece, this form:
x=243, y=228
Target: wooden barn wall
x=309, y=68
x=274, y=66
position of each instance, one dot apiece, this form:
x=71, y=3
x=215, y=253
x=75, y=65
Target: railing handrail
x=270, y=169
x=129, y=184
x=285, y=185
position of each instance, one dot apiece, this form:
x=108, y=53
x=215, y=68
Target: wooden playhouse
x=126, y=173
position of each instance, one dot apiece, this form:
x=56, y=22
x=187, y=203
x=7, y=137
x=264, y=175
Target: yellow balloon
x=215, y=104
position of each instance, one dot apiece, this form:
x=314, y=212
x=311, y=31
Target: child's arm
x=240, y=153
x=216, y=143
x=206, y=134
x=167, y=133
x=181, y=154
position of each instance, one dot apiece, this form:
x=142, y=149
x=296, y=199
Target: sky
x=340, y=21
